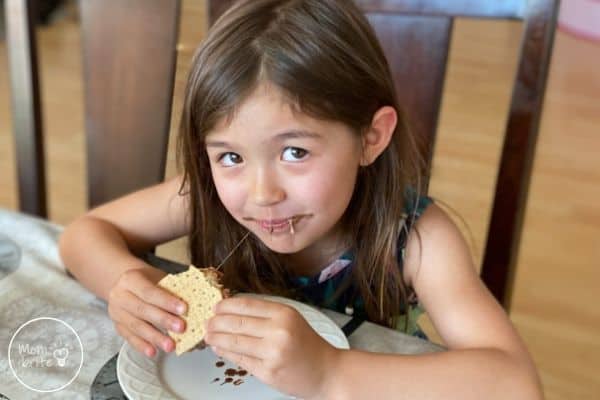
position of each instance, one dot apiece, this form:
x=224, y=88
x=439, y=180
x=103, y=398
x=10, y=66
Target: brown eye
x=230, y=159
x=294, y=154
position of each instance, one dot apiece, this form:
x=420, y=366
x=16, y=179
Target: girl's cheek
x=231, y=193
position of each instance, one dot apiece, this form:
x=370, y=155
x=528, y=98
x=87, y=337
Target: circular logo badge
x=45, y=354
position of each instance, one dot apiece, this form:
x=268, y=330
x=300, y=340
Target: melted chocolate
x=227, y=380
x=230, y=373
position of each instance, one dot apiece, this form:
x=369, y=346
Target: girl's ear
x=379, y=134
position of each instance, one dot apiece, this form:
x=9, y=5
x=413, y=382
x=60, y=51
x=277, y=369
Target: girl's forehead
x=266, y=109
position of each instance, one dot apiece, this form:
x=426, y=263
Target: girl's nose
x=265, y=190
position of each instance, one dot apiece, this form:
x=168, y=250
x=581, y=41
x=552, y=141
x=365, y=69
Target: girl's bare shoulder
x=433, y=232
x=440, y=268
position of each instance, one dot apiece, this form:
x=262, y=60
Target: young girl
x=291, y=133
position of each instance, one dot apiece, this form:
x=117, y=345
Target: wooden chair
x=129, y=53
x=129, y=56
x=422, y=29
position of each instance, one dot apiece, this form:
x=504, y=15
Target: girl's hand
x=273, y=342
x=138, y=307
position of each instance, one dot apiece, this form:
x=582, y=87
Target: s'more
x=201, y=289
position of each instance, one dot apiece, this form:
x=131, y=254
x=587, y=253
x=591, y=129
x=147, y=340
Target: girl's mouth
x=274, y=225
x=285, y=225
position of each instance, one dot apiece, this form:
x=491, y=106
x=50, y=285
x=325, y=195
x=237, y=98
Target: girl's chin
x=280, y=244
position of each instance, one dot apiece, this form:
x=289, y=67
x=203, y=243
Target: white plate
x=194, y=375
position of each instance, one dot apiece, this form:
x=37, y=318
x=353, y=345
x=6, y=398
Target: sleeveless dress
x=319, y=290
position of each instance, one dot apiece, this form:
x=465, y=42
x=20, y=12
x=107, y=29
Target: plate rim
x=274, y=298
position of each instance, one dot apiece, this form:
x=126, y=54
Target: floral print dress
x=319, y=290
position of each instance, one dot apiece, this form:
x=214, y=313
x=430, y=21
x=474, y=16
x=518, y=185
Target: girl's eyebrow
x=296, y=134
x=217, y=144
x=280, y=137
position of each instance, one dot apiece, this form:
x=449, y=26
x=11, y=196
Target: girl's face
x=272, y=166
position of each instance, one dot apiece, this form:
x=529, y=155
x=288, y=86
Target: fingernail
x=180, y=309
x=176, y=326
x=150, y=352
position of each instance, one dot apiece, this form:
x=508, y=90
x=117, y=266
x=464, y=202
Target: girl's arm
x=100, y=245
x=486, y=358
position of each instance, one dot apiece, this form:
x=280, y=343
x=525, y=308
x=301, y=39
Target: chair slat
x=510, y=199
x=415, y=44
x=508, y=9
x=129, y=52
x=27, y=114
x=216, y=8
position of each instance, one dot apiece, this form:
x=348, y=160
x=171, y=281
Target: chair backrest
x=129, y=53
x=415, y=35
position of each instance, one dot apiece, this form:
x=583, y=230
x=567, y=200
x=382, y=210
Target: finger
x=151, y=334
x=239, y=324
x=148, y=292
x=246, y=305
x=135, y=341
x=241, y=344
x=251, y=364
x=150, y=313
x=144, y=330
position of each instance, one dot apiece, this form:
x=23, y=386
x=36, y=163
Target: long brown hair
x=324, y=56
